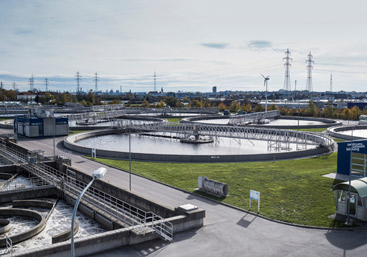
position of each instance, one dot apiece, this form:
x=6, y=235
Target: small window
x=341, y=196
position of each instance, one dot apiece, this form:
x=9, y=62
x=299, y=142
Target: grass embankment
x=338, y=140
x=173, y=119
x=292, y=190
x=71, y=132
x=312, y=129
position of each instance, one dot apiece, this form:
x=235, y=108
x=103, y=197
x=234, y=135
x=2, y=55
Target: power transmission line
x=287, y=64
x=309, y=67
x=78, y=78
x=96, y=82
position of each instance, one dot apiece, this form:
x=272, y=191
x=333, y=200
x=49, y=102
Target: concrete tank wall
x=69, y=143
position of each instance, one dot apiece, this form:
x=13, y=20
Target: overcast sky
x=192, y=45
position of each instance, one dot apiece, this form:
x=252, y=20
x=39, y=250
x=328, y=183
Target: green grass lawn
x=312, y=129
x=292, y=190
x=174, y=119
x=71, y=132
x=321, y=130
x=1, y=119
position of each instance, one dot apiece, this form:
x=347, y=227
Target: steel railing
x=251, y=133
x=114, y=207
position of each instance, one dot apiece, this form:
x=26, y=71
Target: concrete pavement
x=226, y=231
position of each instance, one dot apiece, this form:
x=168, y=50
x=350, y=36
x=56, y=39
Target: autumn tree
x=222, y=106
x=259, y=108
x=246, y=107
x=235, y=106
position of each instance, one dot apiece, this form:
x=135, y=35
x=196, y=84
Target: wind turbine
x=266, y=94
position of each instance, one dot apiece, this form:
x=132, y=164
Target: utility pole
x=96, y=82
x=287, y=65
x=31, y=83
x=46, y=84
x=155, y=81
x=331, y=82
x=309, y=66
x=78, y=78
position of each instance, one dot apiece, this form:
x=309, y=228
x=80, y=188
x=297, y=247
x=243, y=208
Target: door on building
x=353, y=204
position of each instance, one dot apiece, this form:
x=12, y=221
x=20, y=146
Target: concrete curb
x=235, y=207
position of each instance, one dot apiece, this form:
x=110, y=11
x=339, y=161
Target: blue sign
x=254, y=195
x=344, y=148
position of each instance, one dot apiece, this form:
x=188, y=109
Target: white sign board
x=254, y=195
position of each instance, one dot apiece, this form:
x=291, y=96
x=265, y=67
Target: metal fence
x=112, y=206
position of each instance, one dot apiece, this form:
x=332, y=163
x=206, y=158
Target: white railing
x=251, y=133
x=252, y=117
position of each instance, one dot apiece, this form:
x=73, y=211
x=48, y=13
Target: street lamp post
x=54, y=136
x=350, y=179
x=130, y=157
x=97, y=174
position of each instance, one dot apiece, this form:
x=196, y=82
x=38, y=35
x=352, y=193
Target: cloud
x=259, y=44
x=174, y=59
x=215, y=45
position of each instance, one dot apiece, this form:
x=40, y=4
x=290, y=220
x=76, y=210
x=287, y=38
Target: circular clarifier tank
x=349, y=132
x=98, y=124
x=161, y=146
x=281, y=122
x=156, y=144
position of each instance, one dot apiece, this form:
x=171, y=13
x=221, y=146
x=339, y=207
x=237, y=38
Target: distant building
x=360, y=105
x=214, y=89
x=26, y=96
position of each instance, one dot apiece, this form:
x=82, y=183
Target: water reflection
x=356, y=132
x=159, y=145
x=278, y=122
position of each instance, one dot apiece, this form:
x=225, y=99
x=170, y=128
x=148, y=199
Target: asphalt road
x=226, y=231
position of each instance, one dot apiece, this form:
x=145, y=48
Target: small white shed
x=358, y=198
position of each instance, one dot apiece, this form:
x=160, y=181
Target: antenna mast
x=287, y=64
x=14, y=86
x=96, y=82
x=309, y=67
x=1, y=85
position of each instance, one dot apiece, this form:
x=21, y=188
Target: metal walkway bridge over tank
x=254, y=117
x=251, y=133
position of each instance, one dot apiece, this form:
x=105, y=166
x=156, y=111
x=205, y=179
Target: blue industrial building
x=41, y=127
x=360, y=105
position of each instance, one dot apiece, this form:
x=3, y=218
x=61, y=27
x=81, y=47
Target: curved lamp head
x=99, y=173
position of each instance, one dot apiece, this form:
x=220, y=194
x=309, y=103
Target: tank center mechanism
x=196, y=138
